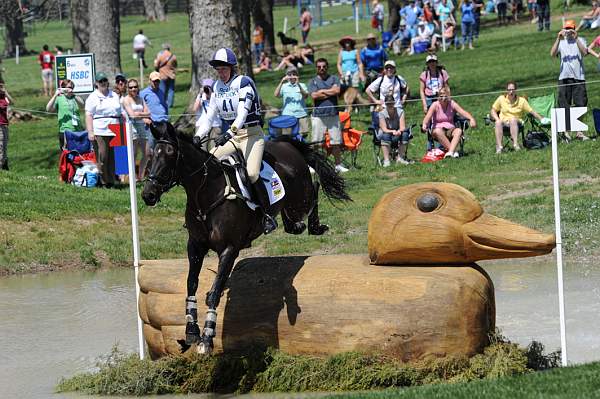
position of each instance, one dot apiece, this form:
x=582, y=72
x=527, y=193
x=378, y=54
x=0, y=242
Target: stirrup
x=269, y=223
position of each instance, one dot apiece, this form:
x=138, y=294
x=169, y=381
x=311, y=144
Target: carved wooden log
x=326, y=305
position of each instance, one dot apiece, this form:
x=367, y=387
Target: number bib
x=227, y=103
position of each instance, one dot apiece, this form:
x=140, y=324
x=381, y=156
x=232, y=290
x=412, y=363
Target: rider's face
x=224, y=73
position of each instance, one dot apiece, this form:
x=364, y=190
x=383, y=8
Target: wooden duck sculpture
x=418, y=293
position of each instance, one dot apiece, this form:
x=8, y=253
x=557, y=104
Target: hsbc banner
x=80, y=68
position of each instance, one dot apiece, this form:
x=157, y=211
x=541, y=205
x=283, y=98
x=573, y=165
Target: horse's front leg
x=196, y=254
x=213, y=297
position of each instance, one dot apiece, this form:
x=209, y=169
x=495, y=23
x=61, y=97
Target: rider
x=236, y=101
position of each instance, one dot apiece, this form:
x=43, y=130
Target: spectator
x=571, y=81
x=388, y=83
x=400, y=40
x=424, y=34
x=140, y=41
x=501, y=6
x=46, y=61
x=444, y=11
x=393, y=131
x=441, y=115
x=201, y=106
x=305, y=22
x=264, y=63
x=466, y=23
x=290, y=59
x=136, y=111
x=121, y=85
x=58, y=50
x=543, y=13
x=103, y=108
x=378, y=14
x=373, y=56
x=411, y=14
x=532, y=7
x=588, y=20
x=66, y=103
x=154, y=99
x=294, y=93
x=258, y=42
x=509, y=110
x=431, y=81
x=324, y=89
x=477, y=9
x=350, y=70
x=450, y=34
x=166, y=64
x=4, y=104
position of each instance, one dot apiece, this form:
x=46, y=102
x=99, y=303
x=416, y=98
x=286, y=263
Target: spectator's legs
x=467, y=34
x=337, y=154
x=105, y=158
x=476, y=26
x=3, y=147
x=385, y=148
x=439, y=135
x=499, y=133
x=61, y=141
x=514, y=133
x=543, y=12
x=168, y=87
x=456, y=135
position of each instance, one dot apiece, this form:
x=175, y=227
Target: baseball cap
x=389, y=62
x=569, y=24
x=120, y=76
x=371, y=36
x=166, y=46
x=154, y=76
x=431, y=57
x=101, y=76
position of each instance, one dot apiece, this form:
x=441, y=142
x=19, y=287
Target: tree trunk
x=14, y=34
x=80, y=22
x=394, y=17
x=155, y=10
x=104, y=35
x=262, y=13
x=215, y=24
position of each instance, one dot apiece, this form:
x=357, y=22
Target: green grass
x=47, y=224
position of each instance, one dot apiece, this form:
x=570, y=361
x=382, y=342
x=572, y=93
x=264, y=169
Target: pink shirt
x=596, y=42
x=443, y=117
x=434, y=83
x=305, y=20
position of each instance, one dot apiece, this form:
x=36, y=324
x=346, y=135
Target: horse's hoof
x=296, y=228
x=205, y=347
x=192, y=333
x=319, y=230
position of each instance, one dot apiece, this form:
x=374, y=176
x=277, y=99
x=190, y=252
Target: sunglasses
x=121, y=82
x=390, y=67
x=103, y=81
x=132, y=87
x=321, y=66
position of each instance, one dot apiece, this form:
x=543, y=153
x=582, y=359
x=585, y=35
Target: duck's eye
x=428, y=202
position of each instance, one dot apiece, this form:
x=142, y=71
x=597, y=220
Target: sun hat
x=101, y=76
x=154, y=76
x=389, y=62
x=431, y=57
x=208, y=82
x=291, y=69
x=347, y=39
x=569, y=24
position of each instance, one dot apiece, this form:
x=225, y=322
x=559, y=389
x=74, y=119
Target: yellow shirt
x=508, y=110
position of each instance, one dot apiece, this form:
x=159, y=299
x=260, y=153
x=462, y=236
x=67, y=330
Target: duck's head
x=443, y=223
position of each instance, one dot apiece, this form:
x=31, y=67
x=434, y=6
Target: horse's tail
x=334, y=185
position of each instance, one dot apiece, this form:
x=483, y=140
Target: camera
x=206, y=89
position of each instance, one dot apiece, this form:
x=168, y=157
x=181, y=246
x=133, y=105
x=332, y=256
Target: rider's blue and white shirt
x=236, y=103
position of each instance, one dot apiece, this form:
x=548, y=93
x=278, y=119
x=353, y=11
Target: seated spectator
x=431, y=81
x=66, y=104
x=135, y=112
x=290, y=59
x=441, y=116
x=423, y=34
x=401, y=39
x=509, y=110
x=588, y=20
x=294, y=94
x=264, y=63
x=393, y=131
x=307, y=53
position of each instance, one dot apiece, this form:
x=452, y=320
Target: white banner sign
x=80, y=68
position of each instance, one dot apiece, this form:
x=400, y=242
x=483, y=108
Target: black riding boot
x=262, y=198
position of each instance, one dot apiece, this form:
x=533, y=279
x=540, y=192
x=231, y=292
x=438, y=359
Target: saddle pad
x=270, y=179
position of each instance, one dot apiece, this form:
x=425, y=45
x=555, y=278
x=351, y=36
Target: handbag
x=535, y=140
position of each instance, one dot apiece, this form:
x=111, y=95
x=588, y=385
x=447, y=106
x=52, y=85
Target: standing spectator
x=501, y=6
x=258, y=42
x=136, y=111
x=140, y=41
x=350, y=70
x=294, y=94
x=431, y=81
x=166, y=64
x=305, y=22
x=154, y=99
x=4, y=103
x=103, y=108
x=571, y=81
x=466, y=23
x=411, y=14
x=373, y=56
x=46, y=61
x=66, y=103
x=201, y=106
x=378, y=14
x=121, y=85
x=324, y=89
x=532, y=7
x=477, y=9
x=543, y=13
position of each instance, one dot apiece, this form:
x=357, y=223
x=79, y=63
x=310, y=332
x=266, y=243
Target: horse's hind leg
x=213, y=297
x=314, y=224
x=196, y=253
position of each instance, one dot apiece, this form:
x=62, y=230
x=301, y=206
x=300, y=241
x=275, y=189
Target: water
x=56, y=325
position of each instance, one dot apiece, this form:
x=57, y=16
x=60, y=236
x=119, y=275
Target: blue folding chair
x=277, y=124
x=596, y=115
x=77, y=141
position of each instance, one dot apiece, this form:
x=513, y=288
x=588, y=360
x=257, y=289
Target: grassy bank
x=47, y=225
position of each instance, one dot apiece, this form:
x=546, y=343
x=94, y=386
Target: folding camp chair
x=78, y=149
x=351, y=139
x=596, y=115
x=459, y=122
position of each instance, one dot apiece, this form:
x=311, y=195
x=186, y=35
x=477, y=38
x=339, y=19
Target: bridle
x=172, y=180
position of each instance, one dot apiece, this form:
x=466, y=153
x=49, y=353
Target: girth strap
x=229, y=194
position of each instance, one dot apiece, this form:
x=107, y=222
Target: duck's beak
x=489, y=237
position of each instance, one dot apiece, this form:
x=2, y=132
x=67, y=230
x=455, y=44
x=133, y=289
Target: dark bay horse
x=219, y=220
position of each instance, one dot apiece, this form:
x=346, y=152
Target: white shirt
x=139, y=41
x=105, y=110
x=396, y=85
x=201, y=97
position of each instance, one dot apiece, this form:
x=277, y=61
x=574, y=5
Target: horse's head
x=163, y=173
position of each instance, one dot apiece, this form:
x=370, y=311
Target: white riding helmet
x=223, y=57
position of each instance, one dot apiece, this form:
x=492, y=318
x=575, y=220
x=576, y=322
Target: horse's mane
x=188, y=140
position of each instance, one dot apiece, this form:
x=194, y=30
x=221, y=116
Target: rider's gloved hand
x=197, y=141
x=223, y=139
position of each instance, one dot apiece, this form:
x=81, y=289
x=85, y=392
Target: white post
x=443, y=42
x=17, y=54
x=356, y=16
x=135, y=234
x=559, y=263
x=284, y=25
x=141, y=73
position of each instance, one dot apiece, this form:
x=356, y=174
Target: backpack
x=376, y=93
x=535, y=140
x=86, y=176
